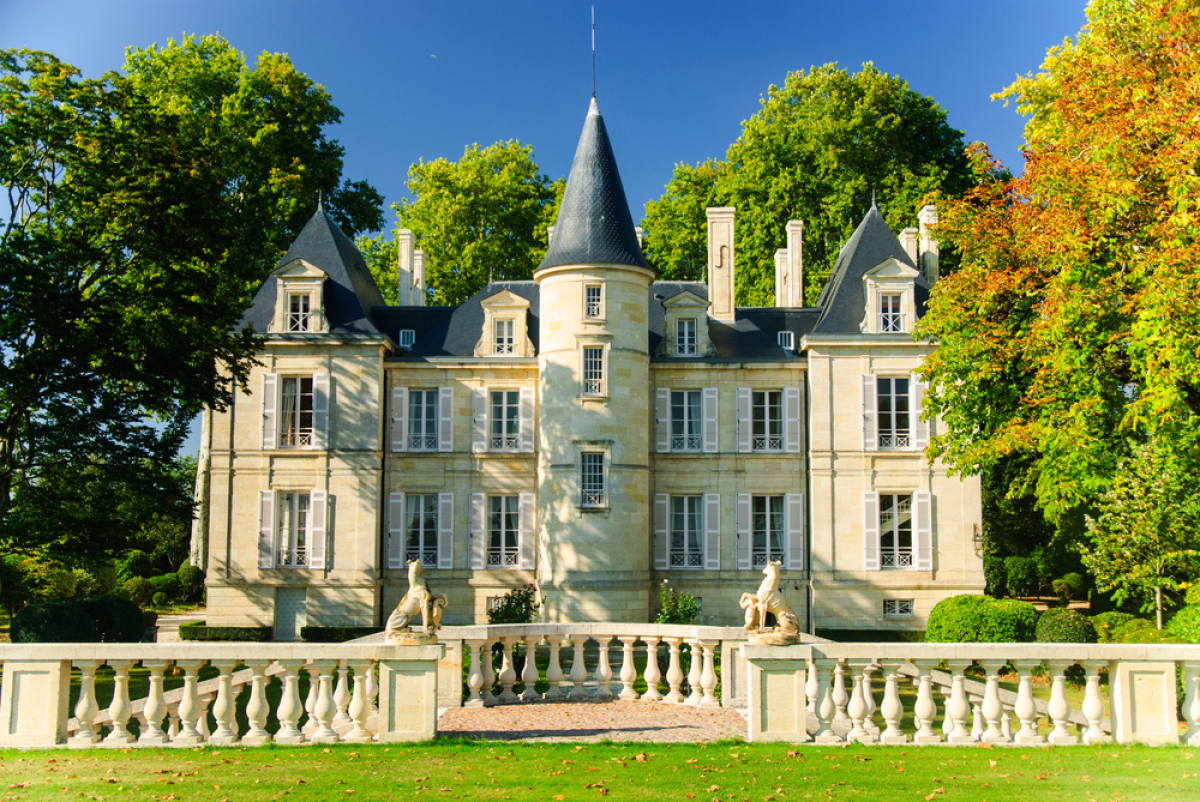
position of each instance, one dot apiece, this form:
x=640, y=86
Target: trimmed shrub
x=1107, y=623
x=1185, y=624
x=1139, y=630
x=135, y=564
x=995, y=576
x=191, y=580
x=335, y=634
x=117, y=620
x=198, y=631
x=1064, y=625
x=95, y=619
x=1077, y=583
x=140, y=591
x=168, y=585
x=160, y=599
x=980, y=619
x=1015, y=621
x=1193, y=593
x=1022, y=576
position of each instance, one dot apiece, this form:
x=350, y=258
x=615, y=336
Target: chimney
x=405, y=243
x=638, y=230
x=929, y=247
x=795, y=248
x=549, y=235
x=781, y=277
x=908, y=241
x=721, y=285
x=418, y=279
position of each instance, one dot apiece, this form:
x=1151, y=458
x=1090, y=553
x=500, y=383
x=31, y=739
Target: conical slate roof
x=594, y=225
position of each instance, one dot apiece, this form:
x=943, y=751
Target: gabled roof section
x=349, y=291
x=842, y=301
x=457, y=331
x=594, y=225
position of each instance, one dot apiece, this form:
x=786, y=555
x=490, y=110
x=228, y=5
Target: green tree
x=484, y=216
x=819, y=150
x=382, y=256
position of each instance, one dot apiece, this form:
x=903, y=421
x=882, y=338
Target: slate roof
x=594, y=225
x=455, y=331
x=349, y=290
x=842, y=302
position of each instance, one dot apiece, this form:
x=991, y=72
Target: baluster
x=869, y=725
x=958, y=708
x=341, y=696
x=372, y=691
x=289, y=704
x=156, y=707
x=840, y=697
x=694, y=671
x=811, y=688
x=947, y=721
x=120, y=708
x=324, y=708
x=1060, y=709
x=140, y=717
x=1026, y=709
x=189, y=705
x=475, y=678
x=554, y=672
x=257, y=708
x=674, y=673
x=578, y=667
x=858, y=705
x=825, y=706
x=925, y=709
x=225, y=709
x=992, y=709
x=202, y=720
x=652, y=674
x=530, y=675
x=1093, y=705
x=893, y=708
x=603, y=670
x=86, y=708
x=489, y=673
x=172, y=721
x=310, y=702
x=628, y=671
x=977, y=727
x=360, y=704
x=708, y=677
x=508, y=673
x=1006, y=724
x=1191, y=702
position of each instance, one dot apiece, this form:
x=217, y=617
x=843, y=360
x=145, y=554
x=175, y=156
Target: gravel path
x=581, y=721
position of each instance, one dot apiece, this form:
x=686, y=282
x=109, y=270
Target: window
x=786, y=340
x=505, y=420
x=593, y=371
x=895, y=531
x=296, y=412
x=891, y=319
x=686, y=525
x=504, y=531
x=685, y=337
x=766, y=422
x=592, y=484
x=299, y=311
x=293, y=530
x=893, y=412
x=898, y=608
x=422, y=420
x=421, y=538
x=686, y=421
x=767, y=530
x=407, y=338
x=592, y=302
x=505, y=343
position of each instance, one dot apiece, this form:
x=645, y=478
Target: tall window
x=593, y=371
x=504, y=337
x=686, y=421
x=891, y=319
x=296, y=412
x=506, y=420
x=299, y=310
x=592, y=481
x=422, y=420
x=892, y=394
x=685, y=337
x=766, y=530
x=895, y=531
x=420, y=542
x=593, y=302
x=292, y=534
x=503, y=531
x=686, y=525
x=766, y=420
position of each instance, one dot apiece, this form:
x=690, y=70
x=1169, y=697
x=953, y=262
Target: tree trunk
x=199, y=545
x=1158, y=604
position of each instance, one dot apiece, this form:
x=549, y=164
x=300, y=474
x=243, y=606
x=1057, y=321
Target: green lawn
x=507, y=771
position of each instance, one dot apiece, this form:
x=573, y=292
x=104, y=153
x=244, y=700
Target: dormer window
x=786, y=340
x=890, y=293
x=505, y=326
x=685, y=337
x=407, y=338
x=593, y=302
x=299, y=311
x=504, y=337
x=891, y=315
x=685, y=327
x=299, y=299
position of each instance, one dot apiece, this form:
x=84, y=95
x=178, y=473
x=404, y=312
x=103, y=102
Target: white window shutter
x=479, y=418
x=526, y=423
x=745, y=433
x=266, y=529
x=923, y=526
x=711, y=433
x=744, y=535
x=445, y=531
x=871, y=531
x=395, y=523
x=791, y=419
x=445, y=419
x=318, y=514
x=662, y=419
x=794, y=513
x=920, y=427
x=479, y=535
x=399, y=419
x=320, y=411
x=270, y=415
x=662, y=537
x=527, y=534
x=870, y=414
x=712, y=532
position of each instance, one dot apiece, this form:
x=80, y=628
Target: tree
x=482, y=217
x=382, y=255
x=1071, y=332
x=820, y=149
x=1146, y=537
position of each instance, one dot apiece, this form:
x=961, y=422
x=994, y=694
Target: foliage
x=1064, y=625
x=139, y=591
x=135, y=563
x=820, y=149
x=516, y=607
x=191, y=582
x=482, y=217
x=1106, y=624
x=198, y=631
x=675, y=607
x=1139, y=630
x=335, y=634
x=93, y=619
x=1185, y=624
x=1022, y=576
x=1193, y=593
x=981, y=619
x=382, y=255
x=995, y=576
x=169, y=586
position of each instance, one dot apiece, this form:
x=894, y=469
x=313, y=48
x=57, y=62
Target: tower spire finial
x=320, y=206
x=593, y=51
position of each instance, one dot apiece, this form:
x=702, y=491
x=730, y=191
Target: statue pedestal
x=409, y=637
x=773, y=637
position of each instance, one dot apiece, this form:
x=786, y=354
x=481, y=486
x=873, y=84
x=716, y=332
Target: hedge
x=981, y=619
x=335, y=634
x=94, y=619
x=872, y=635
x=1185, y=624
x=995, y=576
x=1022, y=576
x=198, y=631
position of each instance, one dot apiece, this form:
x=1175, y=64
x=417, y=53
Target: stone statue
x=418, y=599
x=770, y=600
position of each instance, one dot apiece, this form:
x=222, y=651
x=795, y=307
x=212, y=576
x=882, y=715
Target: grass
x=507, y=771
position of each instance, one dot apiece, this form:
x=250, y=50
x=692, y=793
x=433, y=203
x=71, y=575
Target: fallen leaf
x=641, y=758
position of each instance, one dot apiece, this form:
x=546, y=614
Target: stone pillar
x=417, y=297
x=722, y=286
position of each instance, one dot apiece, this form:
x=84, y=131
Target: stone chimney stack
x=549, y=235
x=781, y=277
x=928, y=217
x=908, y=241
x=722, y=287
x=405, y=245
x=795, y=272
x=638, y=231
x=417, y=297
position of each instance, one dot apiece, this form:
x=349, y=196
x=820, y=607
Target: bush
x=168, y=585
x=1064, y=625
x=1185, y=624
x=335, y=634
x=140, y=591
x=191, y=581
x=95, y=619
x=995, y=576
x=1077, y=583
x=980, y=619
x=198, y=631
x=1016, y=621
x=675, y=607
x=135, y=564
x=1107, y=623
x=160, y=599
x=1193, y=593
x=517, y=606
x=1022, y=576
x=1139, y=630
x=86, y=583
